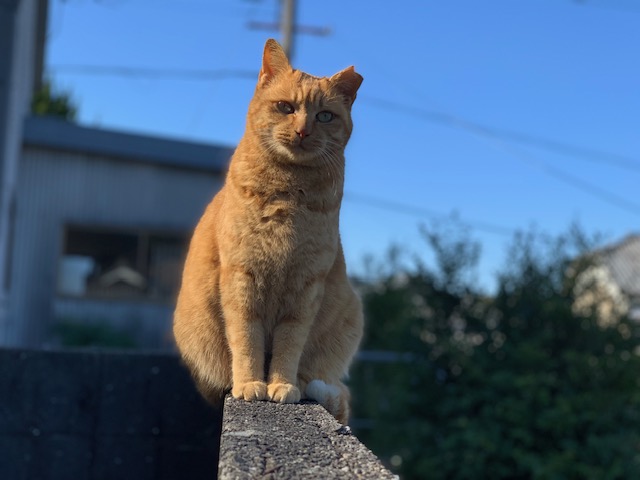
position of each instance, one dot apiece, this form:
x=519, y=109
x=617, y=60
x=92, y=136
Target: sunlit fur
x=265, y=305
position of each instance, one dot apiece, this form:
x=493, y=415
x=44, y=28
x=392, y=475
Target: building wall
x=18, y=54
x=57, y=188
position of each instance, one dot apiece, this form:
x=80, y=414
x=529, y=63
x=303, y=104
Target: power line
x=433, y=116
x=588, y=187
x=621, y=7
x=218, y=74
x=288, y=27
x=146, y=72
x=499, y=141
x=496, y=135
x=405, y=208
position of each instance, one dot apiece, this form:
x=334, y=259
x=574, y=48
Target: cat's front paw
x=250, y=391
x=283, y=393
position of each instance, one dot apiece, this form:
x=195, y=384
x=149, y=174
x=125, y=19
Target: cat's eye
x=285, y=107
x=324, y=117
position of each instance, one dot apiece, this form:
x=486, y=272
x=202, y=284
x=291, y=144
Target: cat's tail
x=335, y=398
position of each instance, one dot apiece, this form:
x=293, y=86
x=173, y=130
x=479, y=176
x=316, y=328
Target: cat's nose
x=303, y=132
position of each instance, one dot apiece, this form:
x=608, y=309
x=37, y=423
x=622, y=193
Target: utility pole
x=288, y=27
x=287, y=21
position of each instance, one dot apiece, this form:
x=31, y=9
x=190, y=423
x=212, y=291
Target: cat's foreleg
x=246, y=337
x=288, y=341
x=289, y=338
x=246, y=342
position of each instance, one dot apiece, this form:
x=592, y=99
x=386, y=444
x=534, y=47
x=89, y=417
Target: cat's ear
x=347, y=83
x=274, y=61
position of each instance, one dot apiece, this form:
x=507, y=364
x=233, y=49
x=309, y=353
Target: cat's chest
x=288, y=212
x=286, y=229
x=287, y=225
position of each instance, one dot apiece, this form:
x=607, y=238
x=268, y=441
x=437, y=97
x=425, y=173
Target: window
x=103, y=263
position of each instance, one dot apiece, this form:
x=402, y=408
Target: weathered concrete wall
x=98, y=415
x=273, y=441
x=92, y=415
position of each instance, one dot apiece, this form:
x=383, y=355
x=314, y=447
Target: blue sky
x=451, y=89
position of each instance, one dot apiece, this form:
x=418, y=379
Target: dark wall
x=96, y=415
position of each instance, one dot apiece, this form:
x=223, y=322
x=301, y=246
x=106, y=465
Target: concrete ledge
x=272, y=441
x=100, y=415
x=118, y=415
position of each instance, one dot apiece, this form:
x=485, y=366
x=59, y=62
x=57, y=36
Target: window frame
x=144, y=237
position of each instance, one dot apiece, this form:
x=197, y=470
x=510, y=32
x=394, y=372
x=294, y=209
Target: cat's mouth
x=299, y=150
x=301, y=145
x=305, y=147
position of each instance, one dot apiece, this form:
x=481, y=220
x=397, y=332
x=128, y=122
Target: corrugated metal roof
x=623, y=261
x=58, y=134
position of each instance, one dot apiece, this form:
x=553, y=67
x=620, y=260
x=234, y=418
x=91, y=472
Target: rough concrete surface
x=95, y=415
x=264, y=440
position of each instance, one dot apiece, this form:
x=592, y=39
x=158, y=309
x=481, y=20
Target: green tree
x=48, y=101
x=511, y=386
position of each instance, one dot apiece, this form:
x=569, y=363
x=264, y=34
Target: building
x=94, y=224
x=22, y=28
x=611, y=286
x=622, y=263
x=102, y=223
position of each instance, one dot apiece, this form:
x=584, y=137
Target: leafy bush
x=511, y=386
x=80, y=334
x=49, y=101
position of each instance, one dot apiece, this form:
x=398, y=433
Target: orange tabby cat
x=265, y=307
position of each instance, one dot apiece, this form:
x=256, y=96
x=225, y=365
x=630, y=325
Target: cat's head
x=299, y=117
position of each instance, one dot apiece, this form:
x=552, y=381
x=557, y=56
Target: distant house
x=94, y=224
x=611, y=286
x=622, y=260
x=102, y=223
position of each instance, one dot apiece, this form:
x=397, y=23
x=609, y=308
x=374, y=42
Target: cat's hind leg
x=334, y=397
